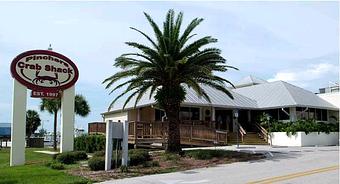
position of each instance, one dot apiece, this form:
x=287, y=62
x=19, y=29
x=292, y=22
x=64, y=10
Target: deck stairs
x=250, y=138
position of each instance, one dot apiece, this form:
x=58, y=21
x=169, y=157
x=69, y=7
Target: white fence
x=301, y=139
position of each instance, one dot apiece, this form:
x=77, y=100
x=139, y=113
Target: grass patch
x=34, y=171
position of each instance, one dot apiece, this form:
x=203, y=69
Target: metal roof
x=217, y=98
x=282, y=94
x=262, y=96
x=249, y=81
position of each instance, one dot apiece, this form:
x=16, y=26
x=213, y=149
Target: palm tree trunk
x=174, y=139
x=55, y=131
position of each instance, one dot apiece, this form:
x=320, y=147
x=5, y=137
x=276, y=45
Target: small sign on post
x=116, y=130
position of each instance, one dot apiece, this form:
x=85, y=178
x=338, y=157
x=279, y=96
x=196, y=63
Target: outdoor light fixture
x=236, y=114
x=238, y=128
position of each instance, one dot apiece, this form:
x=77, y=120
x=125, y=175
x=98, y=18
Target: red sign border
x=45, y=52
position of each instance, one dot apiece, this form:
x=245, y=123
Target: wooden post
x=135, y=133
x=190, y=133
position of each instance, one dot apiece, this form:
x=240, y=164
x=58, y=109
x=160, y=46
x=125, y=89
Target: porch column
x=201, y=117
x=292, y=114
x=138, y=114
x=249, y=116
x=235, y=120
x=213, y=118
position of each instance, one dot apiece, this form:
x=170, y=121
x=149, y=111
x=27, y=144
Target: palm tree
x=166, y=66
x=32, y=123
x=52, y=106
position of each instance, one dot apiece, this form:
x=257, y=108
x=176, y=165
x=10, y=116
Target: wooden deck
x=195, y=133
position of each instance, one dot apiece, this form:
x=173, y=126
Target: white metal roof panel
x=282, y=94
x=217, y=98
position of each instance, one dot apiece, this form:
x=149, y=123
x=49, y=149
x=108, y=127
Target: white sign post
x=108, y=145
x=49, y=75
x=125, y=145
x=67, y=120
x=18, y=129
x=116, y=130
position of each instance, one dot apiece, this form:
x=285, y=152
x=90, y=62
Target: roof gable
x=282, y=94
x=249, y=81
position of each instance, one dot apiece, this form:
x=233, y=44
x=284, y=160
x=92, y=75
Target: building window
x=301, y=112
x=189, y=113
x=272, y=113
x=318, y=114
x=311, y=113
x=284, y=114
x=324, y=115
x=159, y=114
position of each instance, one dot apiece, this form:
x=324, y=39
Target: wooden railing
x=241, y=131
x=263, y=133
x=192, y=133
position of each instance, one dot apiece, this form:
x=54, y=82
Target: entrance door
x=224, y=120
x=243, y=119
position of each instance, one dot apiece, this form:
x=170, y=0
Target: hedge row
x=307, y=126
x=89, y=143
x=136, y=157
x=71, y=157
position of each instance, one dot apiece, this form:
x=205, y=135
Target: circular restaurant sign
x=44, y=70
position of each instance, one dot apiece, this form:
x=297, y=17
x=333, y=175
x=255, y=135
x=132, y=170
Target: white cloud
x=309, y=73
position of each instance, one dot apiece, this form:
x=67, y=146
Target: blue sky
x=297, y=42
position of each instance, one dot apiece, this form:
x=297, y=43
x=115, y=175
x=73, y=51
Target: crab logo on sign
x=45, y=72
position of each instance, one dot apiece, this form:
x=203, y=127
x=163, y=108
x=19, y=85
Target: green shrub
x=54, y=156
x=301, y=125
x=138, y=156
x=206, y=154
x=170, y=156
x=89, y=143
x=124, y=169
x=79, y=155
x=153, y=163
x=66, y=158
x=99, y=154
x=96, y=163
x=57, y=166
x=71, y=157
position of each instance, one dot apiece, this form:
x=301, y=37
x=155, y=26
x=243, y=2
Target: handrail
x=262, y=131
x=142, y=131
x=241, y=131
